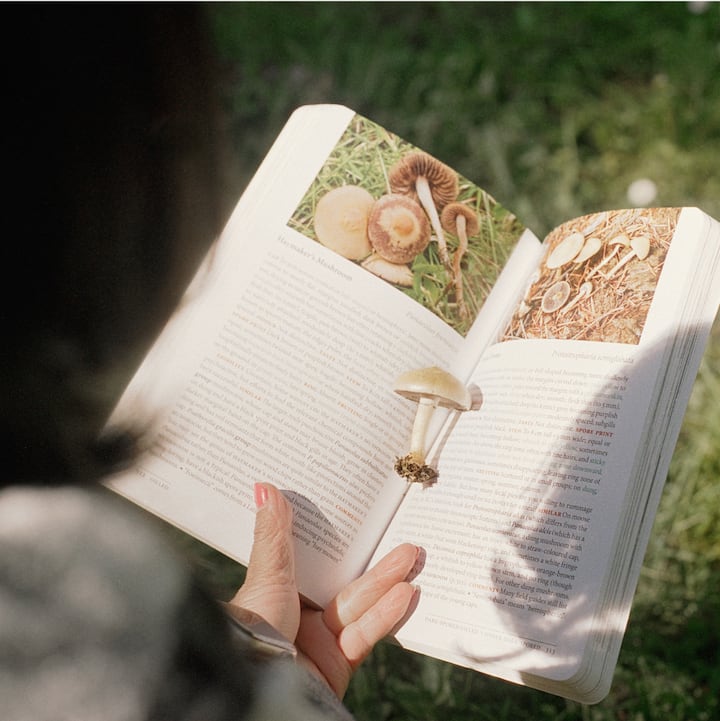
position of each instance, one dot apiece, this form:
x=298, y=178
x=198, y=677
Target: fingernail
x=261, y=495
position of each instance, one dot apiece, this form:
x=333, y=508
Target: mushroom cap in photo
x=565, y=251
x=555, y=296
x=398, y=228
x=452, y=212
x=341, y=219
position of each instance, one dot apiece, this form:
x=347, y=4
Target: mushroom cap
x=398, y=228
x=341, y=219
x=397, y=273
x=442, y=179
x=555, y=296
x=450, y=214
x=592, y=245
x=436, y=384
x=565, y=250
x=641, y=245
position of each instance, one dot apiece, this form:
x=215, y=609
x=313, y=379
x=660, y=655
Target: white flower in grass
x=641, y=192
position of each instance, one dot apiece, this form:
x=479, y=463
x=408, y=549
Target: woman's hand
x=332, y=642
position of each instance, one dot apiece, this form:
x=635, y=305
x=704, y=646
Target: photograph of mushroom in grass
x=598, y=278
x=409, y=219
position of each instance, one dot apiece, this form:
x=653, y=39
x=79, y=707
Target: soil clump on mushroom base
x=414, y=472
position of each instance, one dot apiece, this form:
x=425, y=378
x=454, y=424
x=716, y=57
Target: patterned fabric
x=100, y=619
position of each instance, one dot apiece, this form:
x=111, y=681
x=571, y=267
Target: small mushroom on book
x=430, y=388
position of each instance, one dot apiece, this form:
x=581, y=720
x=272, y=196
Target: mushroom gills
x=395, y=273
x=555, y=296
x=433, y=183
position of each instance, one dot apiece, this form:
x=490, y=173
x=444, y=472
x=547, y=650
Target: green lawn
x=554, y=109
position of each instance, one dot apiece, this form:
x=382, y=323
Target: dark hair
x=115, y=156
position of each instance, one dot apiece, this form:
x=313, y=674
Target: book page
x=516, y=530
x=546, y=494
x=280, y=367
x=296, y=392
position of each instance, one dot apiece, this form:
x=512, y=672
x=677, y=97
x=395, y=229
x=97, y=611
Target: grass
x=555, y=110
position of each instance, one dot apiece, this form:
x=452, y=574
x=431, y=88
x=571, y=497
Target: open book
x=581, y=351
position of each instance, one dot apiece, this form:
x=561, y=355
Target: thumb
x=270, y=589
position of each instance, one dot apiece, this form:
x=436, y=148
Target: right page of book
x=535, y=531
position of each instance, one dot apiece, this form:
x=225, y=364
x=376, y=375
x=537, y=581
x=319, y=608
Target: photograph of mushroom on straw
x=409, y=219
x=598, y=278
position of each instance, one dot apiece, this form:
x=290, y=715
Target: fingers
x=360, y=595
x=358, y=638
x=270, y=588
x=337, y=640
x=335, y=657
x=272, y=557
x=319, y=650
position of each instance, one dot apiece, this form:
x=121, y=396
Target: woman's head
x=115, y=156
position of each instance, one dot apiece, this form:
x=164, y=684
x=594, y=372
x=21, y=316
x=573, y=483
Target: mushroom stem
x=603, y=263
x=583, y=292
x=457, y=259
x=640, y=249
x=429, y=388
x=412, y=467
x=422, y=188
x=617, y=242
x=426, y=407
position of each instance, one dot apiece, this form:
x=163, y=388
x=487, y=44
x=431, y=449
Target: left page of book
x=279, y=364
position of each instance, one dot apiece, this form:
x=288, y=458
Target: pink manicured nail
x=261, y=495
